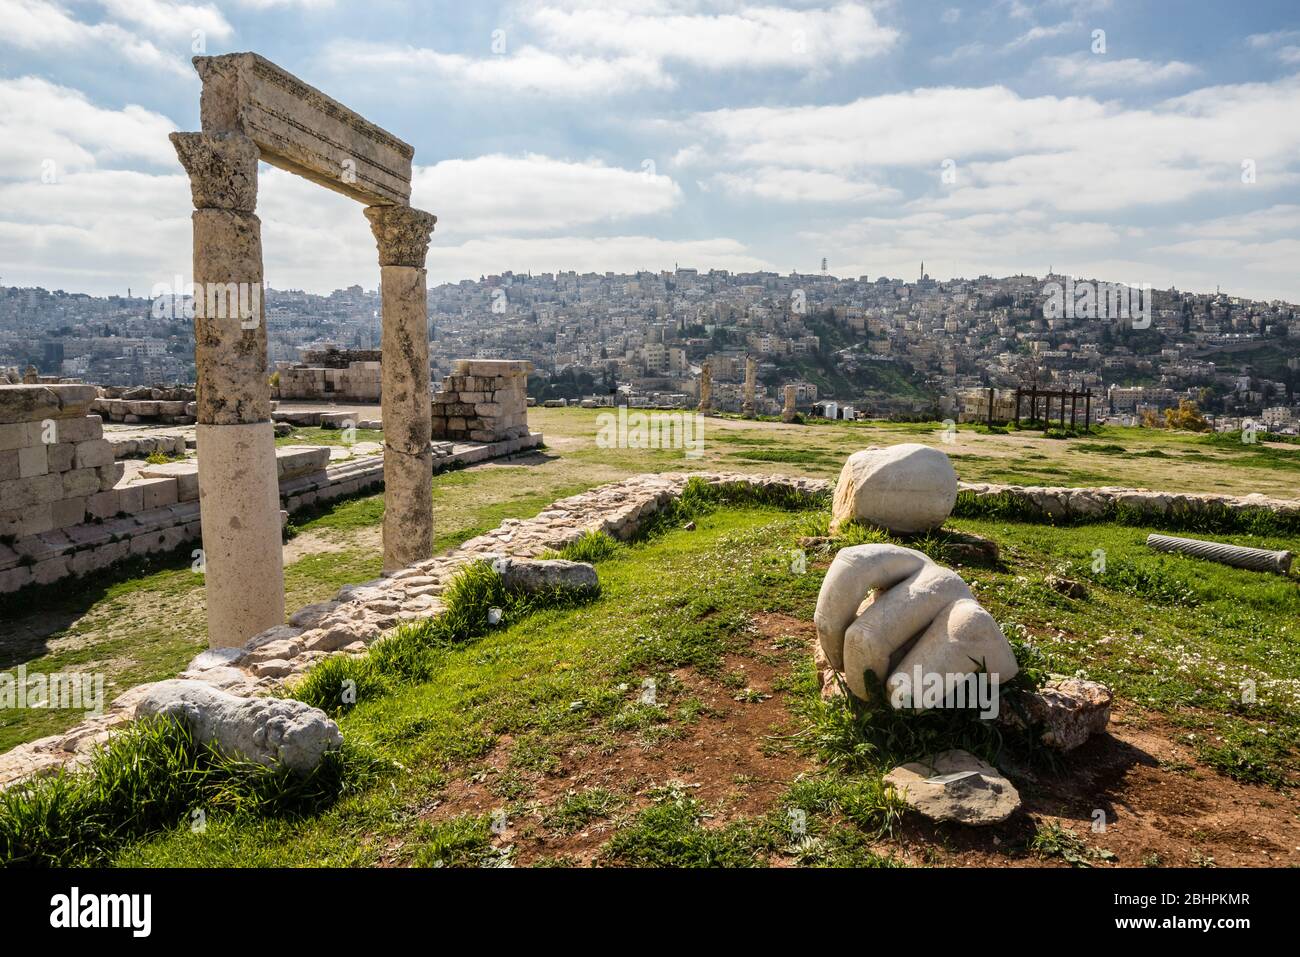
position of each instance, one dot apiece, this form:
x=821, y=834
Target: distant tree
x=1186, y=417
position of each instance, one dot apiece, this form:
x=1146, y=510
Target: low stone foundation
x=1097, y=504
x=172, y=405
x=159, y=511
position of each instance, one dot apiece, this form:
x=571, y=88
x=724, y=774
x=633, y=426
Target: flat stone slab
x=32, y=403
x=955, y=786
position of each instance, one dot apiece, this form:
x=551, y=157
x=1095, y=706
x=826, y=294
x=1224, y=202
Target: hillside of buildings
x=890, y=348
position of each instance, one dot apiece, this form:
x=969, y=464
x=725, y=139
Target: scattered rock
x=1066, y=586
x=969, y=549
x=955, y=786
x=268, y=731
x=533, y=575
x=904, y=488
x=1067, y=710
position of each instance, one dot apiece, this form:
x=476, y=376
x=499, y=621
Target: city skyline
x=559, y=135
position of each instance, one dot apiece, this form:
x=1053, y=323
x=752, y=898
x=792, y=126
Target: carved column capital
x=222, y=168
x=401, y=233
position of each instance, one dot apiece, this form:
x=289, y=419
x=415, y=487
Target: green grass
x=147, y=779
x=568, y=678
x=314, y=435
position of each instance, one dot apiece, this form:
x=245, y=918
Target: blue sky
x=555, y=134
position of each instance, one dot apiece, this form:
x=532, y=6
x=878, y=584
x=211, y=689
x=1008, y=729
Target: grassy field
x=147, y=621
x=536, y=745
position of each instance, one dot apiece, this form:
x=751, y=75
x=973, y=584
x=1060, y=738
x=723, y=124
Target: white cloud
x=527, y=71
x=1034, y=34
x=41, y=26
x=1068, y=153
x=40, y=121
x=531, y=194
x=750, y=37
x=796, y=185
x=169, y=19
x=1090, y=71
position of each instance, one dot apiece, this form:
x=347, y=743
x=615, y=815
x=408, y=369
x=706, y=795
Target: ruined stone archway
x=250, y=110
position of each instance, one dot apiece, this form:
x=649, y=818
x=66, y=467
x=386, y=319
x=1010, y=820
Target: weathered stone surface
x=534, y=576
x=1066, y=711
x=300, y=129
x=222, y=169
x=955, y=786
x=1084, y=504
x=963, y=639
x=269, y=731
x=904, y=488
x=240, y=504
x=402, y=235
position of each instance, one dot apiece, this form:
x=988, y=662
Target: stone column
x=788, y=413
x=402, y=234
x=751, y=375
x=706, y=389
x=239, y=495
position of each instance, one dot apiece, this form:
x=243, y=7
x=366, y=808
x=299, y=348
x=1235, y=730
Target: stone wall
x=171, y=405
x=56, y=468
x=359, y=381
x=483, y=400
x=1093, y=504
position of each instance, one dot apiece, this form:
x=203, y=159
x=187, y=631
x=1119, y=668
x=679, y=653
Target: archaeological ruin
x=253, y=111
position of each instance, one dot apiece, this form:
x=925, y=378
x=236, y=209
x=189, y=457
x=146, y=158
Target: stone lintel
x=300, y=129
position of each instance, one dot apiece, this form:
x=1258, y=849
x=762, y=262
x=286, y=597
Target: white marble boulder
x=889, y=610
x=269, y=731
x=904, y=488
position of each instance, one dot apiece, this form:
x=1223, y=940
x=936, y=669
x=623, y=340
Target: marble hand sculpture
x=887, y=610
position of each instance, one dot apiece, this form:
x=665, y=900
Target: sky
x=1122, y=140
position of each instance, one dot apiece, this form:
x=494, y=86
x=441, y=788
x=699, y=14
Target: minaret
x=922, y=268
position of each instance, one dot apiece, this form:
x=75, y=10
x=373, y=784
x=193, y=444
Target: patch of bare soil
x=731, y=758
x=1160, y=806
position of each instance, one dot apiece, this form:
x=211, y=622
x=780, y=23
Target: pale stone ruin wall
x=169, y=405
x=483, y=400
x=56, y=468
x=358, y=381
x=1081, y=504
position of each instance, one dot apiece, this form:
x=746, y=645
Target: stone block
x=33, y=461
x=103, y=504
x=131, y=498
x=185, y=474
x=93, y=453
x=85, y=428
x=36, y=490
x=156, y=492
x=9, y=468
x=27, y=403
x=68, y=511
x=300, y=129
x=78, y=482
x=17, y=435
x=110, y=475
x=61, y=456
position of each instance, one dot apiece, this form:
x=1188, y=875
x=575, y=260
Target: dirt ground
x=1161, y=808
